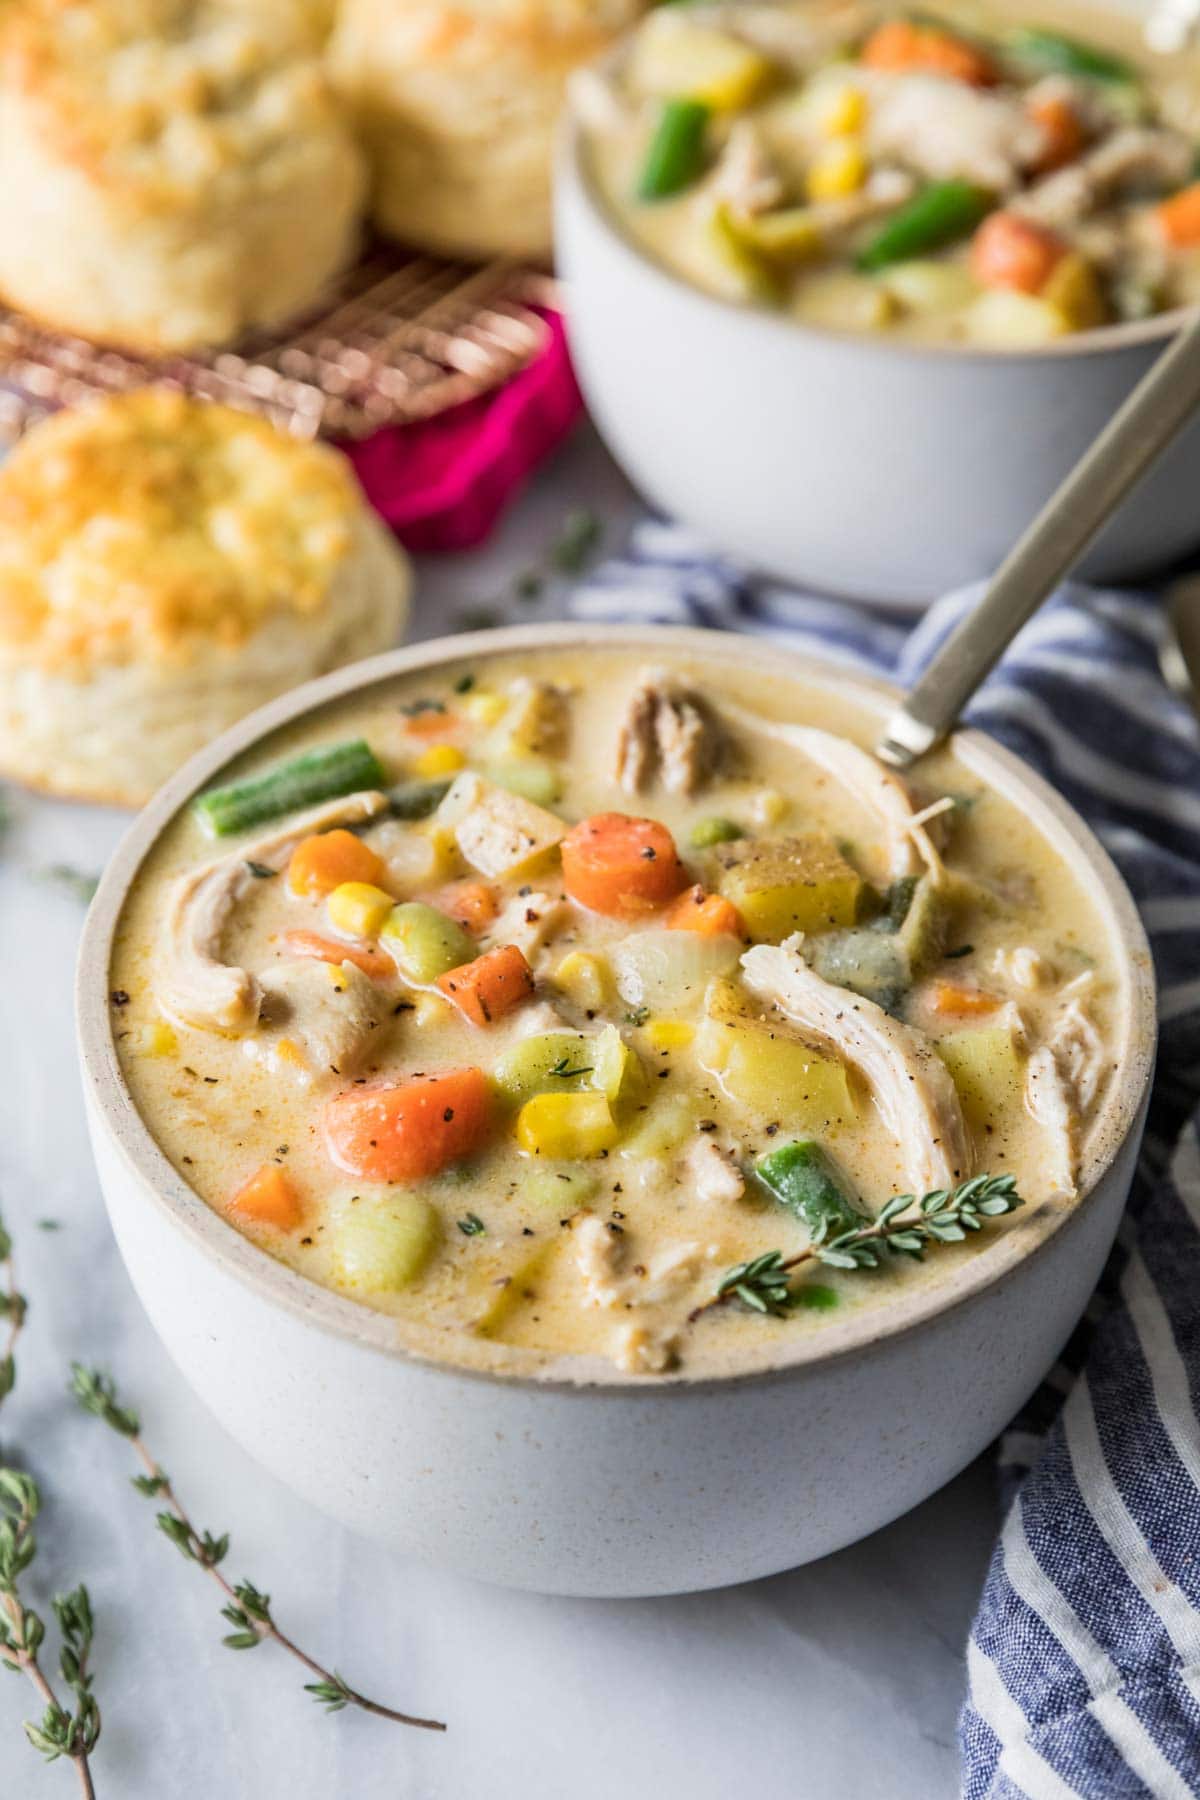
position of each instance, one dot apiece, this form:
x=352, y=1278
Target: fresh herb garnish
x=260, y=871
x=412, y=709
x=13, y=1308
x=471, y=1225
x=247, y=1609
x=464, y=684
x=963, y=950
x=72, y=880
x=563, y=1070
x=637, y=1015
x=906, y=1226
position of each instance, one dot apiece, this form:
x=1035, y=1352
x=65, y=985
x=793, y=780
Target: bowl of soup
x=851, y=290
x=567, y=1108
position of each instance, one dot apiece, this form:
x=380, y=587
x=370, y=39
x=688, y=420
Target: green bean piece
x=940, y=214
x=1061, y=55
x=707, y=832
x=417, y=799
x=424, y=942
x=316, y=775
x=677, y=152
x=803, y=1179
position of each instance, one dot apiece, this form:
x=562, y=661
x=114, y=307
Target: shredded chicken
x=603, y=1260
x=947, y=130
x=1131, y=159
x=527, y=921
x=1048, y=1100
x=192, y=984
x=640, y=1351
x=746, y=175
x=1063, y=1077
x=317, y=1019
x=1024, y=968
x=668, y=732
x=713, y=1173
x=911, y=1085
x=537, y=719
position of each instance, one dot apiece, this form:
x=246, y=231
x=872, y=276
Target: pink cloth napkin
x=442, y=484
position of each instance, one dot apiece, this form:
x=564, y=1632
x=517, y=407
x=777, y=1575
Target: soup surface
x=525, y=999
x=970, y=176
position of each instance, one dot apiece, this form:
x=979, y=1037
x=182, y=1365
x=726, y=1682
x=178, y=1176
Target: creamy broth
x=989, y=175
x=595, y=1229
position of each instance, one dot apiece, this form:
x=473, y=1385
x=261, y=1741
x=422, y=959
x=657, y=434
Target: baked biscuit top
x=161, y=100
x=151, y=527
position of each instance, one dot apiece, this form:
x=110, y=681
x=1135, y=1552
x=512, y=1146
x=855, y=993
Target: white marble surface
x=840, y=1681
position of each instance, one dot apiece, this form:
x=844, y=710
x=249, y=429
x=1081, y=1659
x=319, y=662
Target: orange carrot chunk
x=1062, y=132
x=1179, y=218
x=372, y=961
x=956, y=997
x=621, y=866
x=269, y=1198
x=491, y=986
x=409, y=1131
x=903, y=46
x=1011, y=252
x=431, y=722
x=321, y=863
x=709, y=914
x=471, y=904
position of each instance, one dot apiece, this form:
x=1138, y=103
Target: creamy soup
x=531, y=999
x=970, y=175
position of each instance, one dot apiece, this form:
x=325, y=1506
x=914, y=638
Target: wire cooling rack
x=398, y=338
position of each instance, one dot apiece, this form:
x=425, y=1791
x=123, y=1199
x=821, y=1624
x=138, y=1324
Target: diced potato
x=672, y=56
x=668, y=970
x=382, y=1240
x=1003, y=319
x=930, y=287
x=566, y=1126
x=987, y=1068
x=535, y=720
x=922, y=935
x=585, y=979
x=358, y=908
x=662, y=1128
x=498, y=833
x=412, y=857
x=424, y=942
x=782, y=885
x=767, y=1067
x=1074, y=290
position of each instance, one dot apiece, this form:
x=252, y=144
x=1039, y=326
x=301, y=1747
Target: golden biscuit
x=172, y=172
x=166, y=566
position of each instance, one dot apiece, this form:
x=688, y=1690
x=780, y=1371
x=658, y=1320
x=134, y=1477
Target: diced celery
x=783, y=239
x=988, y=1070
x=424, y=942
x=566, y=1126
x=803, y=1179
x=672, y=55
x=755, y=275
x=930, y=287
x=382, y=1240
x=668, y=970
x=532, y=777
x=706, y=833
x=557, y=1062
x=781, y=885
x=922, y=934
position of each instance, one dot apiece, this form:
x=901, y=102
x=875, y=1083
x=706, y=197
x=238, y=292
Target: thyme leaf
x=471, y=1225
x=563, y=1070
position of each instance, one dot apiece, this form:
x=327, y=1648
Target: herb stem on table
x=906, y=1226
x=60, y=1732
x=247, y=1609
x=13, y=1308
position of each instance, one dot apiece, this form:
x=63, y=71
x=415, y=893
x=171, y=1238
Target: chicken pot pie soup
x=979, y=175
x=590, y=1007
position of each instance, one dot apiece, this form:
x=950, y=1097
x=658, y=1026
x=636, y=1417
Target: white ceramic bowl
x=577, y=1479
x=850, y=463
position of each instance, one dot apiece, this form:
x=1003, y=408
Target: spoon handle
x=1157, y=409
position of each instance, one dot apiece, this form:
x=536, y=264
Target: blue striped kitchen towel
x=1084, y=1660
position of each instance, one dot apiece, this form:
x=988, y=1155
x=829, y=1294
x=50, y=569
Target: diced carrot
x=372, y=961
x=1010, y=252
x=955, y=997
x=620, y=865
x=903, y=46
x=471, y=904
x=1179, y=218
x=1062, y=129
x=321, y=863
x=431, y=722
x=268, y=1197
x=709, y=914
x=488, y=988
x=411, y=1130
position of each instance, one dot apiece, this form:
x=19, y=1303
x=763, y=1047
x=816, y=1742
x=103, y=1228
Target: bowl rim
x=575, y=178
x=112, y=1107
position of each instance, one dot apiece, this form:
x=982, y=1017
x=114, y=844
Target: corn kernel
x=585, y=980
x=439, y=759
x=566, y=1125
x=844, y=112
x=837, y=171
x=358, y=909
x=670, y=1034
x=484, y=708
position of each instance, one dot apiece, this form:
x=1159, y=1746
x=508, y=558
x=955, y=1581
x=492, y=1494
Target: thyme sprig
x=60, y=1731
x=246, y=1607
x=13, y=1308
x=907, y=1226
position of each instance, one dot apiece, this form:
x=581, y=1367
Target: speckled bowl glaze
x=567, y=1476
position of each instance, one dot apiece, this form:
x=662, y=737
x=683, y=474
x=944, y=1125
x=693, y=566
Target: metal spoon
x=1155, y=412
